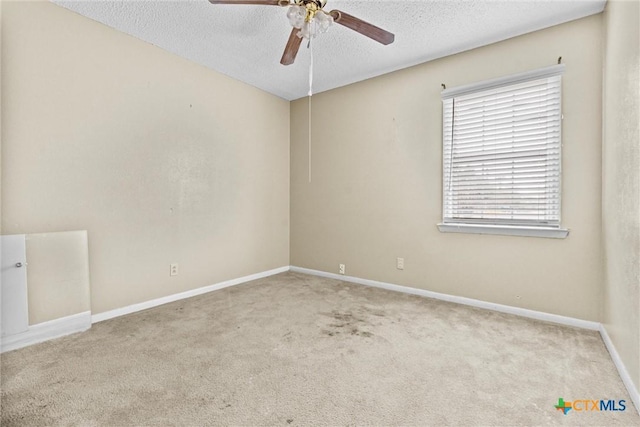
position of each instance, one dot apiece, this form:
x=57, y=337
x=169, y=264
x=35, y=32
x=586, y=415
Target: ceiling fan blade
x=259, y=2
x=362, y=27
x=291, y=50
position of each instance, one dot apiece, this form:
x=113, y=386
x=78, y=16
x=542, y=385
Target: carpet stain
x=344, y=321
x=346, y=318
x=365, y=334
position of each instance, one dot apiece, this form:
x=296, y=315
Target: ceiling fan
x=309, y=19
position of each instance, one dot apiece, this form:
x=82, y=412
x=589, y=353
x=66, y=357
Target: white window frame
x=488, y=227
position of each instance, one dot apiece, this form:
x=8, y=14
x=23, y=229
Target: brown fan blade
x=291, y=50
x=362, y=27
x=259, y=2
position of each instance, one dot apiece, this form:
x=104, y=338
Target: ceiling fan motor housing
x=319, y=3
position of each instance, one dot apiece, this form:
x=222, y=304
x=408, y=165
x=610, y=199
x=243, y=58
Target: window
x=502, y=155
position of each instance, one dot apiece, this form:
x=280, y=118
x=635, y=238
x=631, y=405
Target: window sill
x=505, y=230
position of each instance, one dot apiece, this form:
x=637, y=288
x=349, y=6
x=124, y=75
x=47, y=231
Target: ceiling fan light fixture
x=324, y=21
x=309, y=22
x=297, y=15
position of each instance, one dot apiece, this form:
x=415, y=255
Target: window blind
x=501, y=154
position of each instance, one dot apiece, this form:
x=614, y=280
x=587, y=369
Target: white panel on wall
x=13, y=295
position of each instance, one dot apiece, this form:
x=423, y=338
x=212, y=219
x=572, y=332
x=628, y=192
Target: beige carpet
x=301, y=350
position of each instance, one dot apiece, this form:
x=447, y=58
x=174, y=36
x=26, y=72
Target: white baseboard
x=47, y=330
x=622, y=370
x=82, y=321
x=532, y=314
x=182, y=295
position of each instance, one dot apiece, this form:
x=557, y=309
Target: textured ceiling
x=246, y=42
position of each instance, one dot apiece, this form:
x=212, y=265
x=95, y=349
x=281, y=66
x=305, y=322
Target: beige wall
x=621, y=181
x=160, y=160
x=57, y=275
x=376, y=187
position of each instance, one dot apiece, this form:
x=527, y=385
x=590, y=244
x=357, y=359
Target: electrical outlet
x=342, y=267
x=173, y=270
x=400, y=263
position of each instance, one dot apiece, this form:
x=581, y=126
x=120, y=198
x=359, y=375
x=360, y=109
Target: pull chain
x=310, y=68
x=310, y=94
